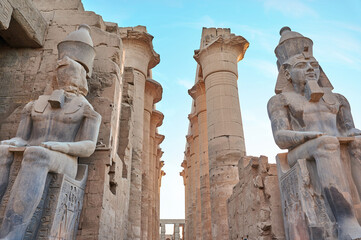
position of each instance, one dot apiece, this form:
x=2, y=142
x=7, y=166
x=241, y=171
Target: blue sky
x=334, y=26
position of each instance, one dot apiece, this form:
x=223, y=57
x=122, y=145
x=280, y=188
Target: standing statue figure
x=310, y=121
x=55, y=130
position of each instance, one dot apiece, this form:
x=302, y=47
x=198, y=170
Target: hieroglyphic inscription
x=304, y=207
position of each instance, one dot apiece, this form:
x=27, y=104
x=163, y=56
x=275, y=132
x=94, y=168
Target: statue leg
x=6, y=159
x=326, y=152
x=354, y=150
x=26, y=194
x=29, y=187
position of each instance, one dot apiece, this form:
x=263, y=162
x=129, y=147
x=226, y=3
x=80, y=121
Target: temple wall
x=26, y=73
x=254, y=208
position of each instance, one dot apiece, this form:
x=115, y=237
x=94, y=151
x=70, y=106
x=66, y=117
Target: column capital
x=159, y=138
x=189, y=138
x=138, y=46
x=193, y=118
x=187, y=151
x=161, y=164
x=184, y=164
x=153, y=88
x=159, y=153
x=197, y=90
x=157, y=118
x=222, y=54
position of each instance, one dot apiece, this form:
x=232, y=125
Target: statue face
x=71, y=76
x=302, y=70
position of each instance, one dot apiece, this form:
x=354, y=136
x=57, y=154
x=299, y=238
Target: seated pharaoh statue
x=317, y=128
x=55, y=130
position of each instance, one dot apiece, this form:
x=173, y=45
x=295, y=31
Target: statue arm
x=24, y=129
x=86, y=138
x=284, y=136
x=344, y=117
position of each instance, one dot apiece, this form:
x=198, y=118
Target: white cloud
x=268, y=69
x=185, y=83
x=290, y=8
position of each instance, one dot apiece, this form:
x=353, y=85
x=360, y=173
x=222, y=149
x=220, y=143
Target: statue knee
x=36, y=156
x=6, y=157
x=328, y=143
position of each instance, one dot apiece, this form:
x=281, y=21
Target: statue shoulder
x=89, y=110
x=28, y=107
x=342, y=99
x=277, y=101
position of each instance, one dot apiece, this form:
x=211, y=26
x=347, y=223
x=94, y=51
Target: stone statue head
x=300, y=69
x=296, y=63
x=71, y=76
x=78, y=45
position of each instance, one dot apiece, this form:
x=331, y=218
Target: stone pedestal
x=218, y=61
x=308, y=214
x=58, y=213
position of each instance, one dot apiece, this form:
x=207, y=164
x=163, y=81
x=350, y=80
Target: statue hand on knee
x=16, y=141
x=57, y=146
x=353, y=132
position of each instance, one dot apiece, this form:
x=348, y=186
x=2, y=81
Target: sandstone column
x=152, y=95
x=191, y=187
x=176, y=231
x=218, y=61
x=139, y=54
x=197, y=92
x=184, y=174
x=196, y=210
x=156, y=121
x=162, y=231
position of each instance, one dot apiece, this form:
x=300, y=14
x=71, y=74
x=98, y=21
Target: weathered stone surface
x=319, y=180
x=48, y=148
x=5, y=14
x=27, y=74
x=254, y=208
x=217, y=58
x=21, y=24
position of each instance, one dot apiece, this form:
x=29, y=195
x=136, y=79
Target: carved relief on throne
x=58, y=213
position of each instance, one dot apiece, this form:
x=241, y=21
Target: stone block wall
x=26, y=73
x=254, y=208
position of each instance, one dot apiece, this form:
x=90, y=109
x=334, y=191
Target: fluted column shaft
x=189, y=219
x=198, y=94
x=225, y=132
x=152, y=95
x=184, y=174
x=196, y=180
x=155, y=140
x=139, y=55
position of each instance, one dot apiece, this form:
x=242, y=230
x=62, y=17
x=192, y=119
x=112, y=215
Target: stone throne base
x=58, y=213
x=306, y=214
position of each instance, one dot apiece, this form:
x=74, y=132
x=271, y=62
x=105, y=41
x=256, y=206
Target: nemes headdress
x=290, y=45
x=78, y=46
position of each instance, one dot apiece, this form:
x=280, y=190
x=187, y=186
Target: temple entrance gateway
x=178, y=227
